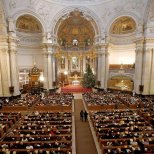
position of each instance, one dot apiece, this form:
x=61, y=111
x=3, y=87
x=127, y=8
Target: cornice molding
x=149, y=40
x=101, y=45
x=49, y=45
x=29, y=47
x=140, y=40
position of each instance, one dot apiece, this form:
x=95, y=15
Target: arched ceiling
x=28, y=24
x=76, y=28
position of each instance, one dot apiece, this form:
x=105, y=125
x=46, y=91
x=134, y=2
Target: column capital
x=47, y=53
x=102, y=49
x=13, y=51
x=140, y=41
x=3, y=39
x=4, y=51
x=101, y=45
x=50, y=46
x=13, y=39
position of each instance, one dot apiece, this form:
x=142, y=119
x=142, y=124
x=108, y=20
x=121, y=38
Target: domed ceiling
x=76, y=30
x=79, y=1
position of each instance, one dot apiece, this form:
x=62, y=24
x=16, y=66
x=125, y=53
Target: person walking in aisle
x=81, y=115
x=85, y=115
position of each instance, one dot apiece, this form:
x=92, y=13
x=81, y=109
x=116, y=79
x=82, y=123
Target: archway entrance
x=75, y=37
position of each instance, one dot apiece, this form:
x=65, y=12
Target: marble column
x=84, y=64
x=49, y=66
x=106, y=67
x=50, y=70
x=12, y=44
x=45, y=56
x=103, y=65
x=99, y=63
x=139, y=66
x=5, y=80
x=148, y=72
x=152, y=73
x=54, y=68
x=14, y=72
x=8, y=60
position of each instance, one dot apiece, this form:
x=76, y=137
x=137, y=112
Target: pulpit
x=34, y=82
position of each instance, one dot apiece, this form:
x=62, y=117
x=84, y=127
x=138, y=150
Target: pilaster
x=148, y=67
x=147, y=71
x=103, y=64
x=45, y=57
x=12, y=43
x=49, y=65
x=5, y=73
x=138, y=83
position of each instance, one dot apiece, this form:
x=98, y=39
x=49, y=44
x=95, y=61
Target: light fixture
x=41, y=78
x=65, y=72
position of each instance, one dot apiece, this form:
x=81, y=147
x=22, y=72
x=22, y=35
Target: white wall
x=122, y=54
x=26, y=58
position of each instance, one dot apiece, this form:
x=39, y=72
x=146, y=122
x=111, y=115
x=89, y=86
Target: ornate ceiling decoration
x=76, y=31
x=28, y=24
x=123, y=25
x=79, y=1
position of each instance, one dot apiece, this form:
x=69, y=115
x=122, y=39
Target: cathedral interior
x=61, y=57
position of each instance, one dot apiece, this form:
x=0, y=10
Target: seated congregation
x=37, y=132
x=123, y=123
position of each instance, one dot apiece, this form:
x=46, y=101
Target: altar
x=75, y=80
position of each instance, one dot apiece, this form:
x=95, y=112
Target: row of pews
x=118, y=130
x=51, y=101
x=7, y=120
x=49, y=132
x=43, y=131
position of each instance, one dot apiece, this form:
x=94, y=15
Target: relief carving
x=151, y=30
x=152, y=17
x=135, y=5
x=32, y=4
x=12, y=4
x=106, y=14
x=44, y=12
x=30, y=40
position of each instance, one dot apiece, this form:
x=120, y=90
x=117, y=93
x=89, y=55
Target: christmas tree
x=88, y=78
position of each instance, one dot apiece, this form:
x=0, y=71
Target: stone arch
x=36, y=16
x=62, y=15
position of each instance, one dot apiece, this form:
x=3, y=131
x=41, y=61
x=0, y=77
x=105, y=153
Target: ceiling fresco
x=29, y=24
x=123, y=25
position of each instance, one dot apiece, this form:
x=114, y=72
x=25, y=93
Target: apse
x=75, y=30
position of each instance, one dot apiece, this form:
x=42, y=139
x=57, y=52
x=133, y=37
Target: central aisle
x=84, y=140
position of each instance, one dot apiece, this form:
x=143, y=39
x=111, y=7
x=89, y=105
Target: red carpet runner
x=75, y=89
